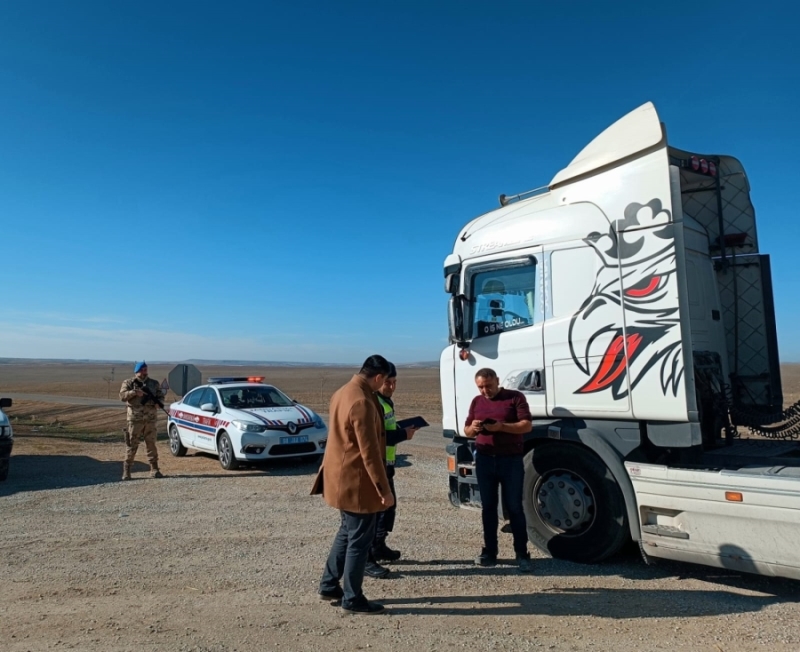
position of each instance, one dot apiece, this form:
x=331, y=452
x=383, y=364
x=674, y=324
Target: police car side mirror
x=208, y=407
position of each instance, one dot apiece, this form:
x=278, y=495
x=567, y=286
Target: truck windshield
x=502, y=299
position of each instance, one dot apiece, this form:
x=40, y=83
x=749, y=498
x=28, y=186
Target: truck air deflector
x=632, y=134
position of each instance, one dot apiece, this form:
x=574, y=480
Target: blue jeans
x=348, y=557
x=504, y=471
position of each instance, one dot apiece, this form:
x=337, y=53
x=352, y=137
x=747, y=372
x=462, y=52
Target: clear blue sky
x=282, y=181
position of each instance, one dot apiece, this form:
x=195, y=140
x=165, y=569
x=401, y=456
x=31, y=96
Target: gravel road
x=213, y=561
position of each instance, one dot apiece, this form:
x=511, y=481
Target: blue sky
x=282, y=181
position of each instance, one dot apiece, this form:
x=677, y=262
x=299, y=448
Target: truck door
x=504, y=320
x=580, y=332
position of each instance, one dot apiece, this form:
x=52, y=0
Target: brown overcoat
x=352, y=475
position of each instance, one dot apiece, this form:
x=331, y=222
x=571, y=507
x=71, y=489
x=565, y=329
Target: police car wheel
x=227, y=459
x=175, y=445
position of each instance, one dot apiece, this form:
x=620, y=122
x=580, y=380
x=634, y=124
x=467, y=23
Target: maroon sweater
x=507, y=406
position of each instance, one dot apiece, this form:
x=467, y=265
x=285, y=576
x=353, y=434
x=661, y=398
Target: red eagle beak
x=614, y=362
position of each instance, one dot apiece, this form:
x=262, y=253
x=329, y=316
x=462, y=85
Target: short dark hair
x=375, y=365
x=486, y=373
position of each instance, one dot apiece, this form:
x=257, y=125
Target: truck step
x=665, y=531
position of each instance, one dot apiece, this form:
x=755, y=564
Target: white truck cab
x=629, y=301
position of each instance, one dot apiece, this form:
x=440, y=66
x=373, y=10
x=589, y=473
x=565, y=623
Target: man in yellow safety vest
x=394, y=435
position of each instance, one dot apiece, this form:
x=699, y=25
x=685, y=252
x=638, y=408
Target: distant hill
x=199, y=361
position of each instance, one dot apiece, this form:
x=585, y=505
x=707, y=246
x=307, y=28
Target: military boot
x=126, y=470
x=154, y=472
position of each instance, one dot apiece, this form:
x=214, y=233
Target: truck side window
x=502, y=299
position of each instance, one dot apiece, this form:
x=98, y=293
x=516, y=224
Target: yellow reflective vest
x=389, y=423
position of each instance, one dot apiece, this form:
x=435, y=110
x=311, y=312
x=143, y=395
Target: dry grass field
x=417, y=391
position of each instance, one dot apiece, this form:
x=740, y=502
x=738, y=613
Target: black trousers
x=348, y=557
x=507, y=472
x=385, y=521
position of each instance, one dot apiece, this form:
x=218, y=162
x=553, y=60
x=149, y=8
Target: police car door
x=205, y=435
x=187, y=417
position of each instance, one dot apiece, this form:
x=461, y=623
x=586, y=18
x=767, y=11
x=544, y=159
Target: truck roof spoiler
x=628, y=137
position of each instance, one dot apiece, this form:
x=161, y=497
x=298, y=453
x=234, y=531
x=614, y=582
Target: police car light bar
x=235, y=379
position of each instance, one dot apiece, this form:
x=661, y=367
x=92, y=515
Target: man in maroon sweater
x=497, y=419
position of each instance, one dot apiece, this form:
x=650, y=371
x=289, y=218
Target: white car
x=243, y=420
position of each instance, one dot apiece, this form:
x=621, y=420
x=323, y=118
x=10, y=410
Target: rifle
x=149, y=397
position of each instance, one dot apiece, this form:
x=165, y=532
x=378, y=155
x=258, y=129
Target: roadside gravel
x=211, y=561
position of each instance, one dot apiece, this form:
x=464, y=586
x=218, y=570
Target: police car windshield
x=262, y=396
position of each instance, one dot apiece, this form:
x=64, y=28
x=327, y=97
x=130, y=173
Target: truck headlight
x=5, y=432
x=246, y=426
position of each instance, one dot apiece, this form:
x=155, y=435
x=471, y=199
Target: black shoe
x=382, y=552
x=373, y=569
x=331, y=594
x=525, y=564
x=486, y=559
x=364, y=607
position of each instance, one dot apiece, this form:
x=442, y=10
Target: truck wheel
x=573, y=505
x=227, y=459
x=175, y=445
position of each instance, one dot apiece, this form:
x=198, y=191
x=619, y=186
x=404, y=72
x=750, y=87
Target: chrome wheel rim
x=174, y=439
x=564, y=502
x=225, y=451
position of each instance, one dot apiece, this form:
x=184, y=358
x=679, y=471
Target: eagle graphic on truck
x=638, y=275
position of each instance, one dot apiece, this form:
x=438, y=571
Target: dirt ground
x=213, y=561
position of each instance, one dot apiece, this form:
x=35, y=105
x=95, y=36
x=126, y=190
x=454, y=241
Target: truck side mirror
x=451, y=283
x=455, y=319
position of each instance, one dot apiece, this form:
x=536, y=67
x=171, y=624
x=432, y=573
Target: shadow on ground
x=42, y=472
x=629, y=567
x=47, y=471
x=600, y=602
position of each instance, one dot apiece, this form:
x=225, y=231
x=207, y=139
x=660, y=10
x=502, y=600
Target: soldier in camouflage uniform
x=141, y=418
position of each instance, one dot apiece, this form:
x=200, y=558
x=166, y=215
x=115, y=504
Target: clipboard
x=413, y=422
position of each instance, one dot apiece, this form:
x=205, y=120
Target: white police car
x=243, y=420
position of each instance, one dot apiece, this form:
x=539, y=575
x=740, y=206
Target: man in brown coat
x=353, y=480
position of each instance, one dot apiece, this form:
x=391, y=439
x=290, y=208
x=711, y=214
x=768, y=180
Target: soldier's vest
x=389, y=423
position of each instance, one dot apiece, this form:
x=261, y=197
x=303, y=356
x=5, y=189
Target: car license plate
x=297, y=439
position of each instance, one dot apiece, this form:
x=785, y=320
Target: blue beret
x=139, y=366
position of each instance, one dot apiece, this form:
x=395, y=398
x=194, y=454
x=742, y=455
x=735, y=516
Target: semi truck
x=630, y=303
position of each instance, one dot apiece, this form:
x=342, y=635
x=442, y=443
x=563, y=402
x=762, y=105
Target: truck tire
x=573, y=505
